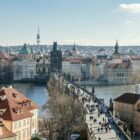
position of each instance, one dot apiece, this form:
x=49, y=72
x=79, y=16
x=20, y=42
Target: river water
x=39, y=94
x=107, y=92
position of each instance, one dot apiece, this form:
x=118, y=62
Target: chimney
x=10, y=86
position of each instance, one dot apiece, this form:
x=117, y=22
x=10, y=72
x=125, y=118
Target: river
x=107, y=92
x=39, y=94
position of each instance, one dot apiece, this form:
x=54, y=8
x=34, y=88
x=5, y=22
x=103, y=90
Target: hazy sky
x=86, y=22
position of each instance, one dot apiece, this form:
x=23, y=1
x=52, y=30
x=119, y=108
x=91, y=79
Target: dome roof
x=24, y=50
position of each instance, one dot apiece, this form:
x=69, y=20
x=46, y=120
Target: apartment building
x=118, y=73
x=5, y=134
x=127, y=108
x=19, y=113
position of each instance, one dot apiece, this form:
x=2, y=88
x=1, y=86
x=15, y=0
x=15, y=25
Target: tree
x=66, y=110
x=36, y=138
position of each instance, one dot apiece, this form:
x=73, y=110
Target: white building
x=78, y=68
x=118, y=73
x=42, y=66
x=24, y=69
x=136, y=65
x=74, y=69
x=99, y=70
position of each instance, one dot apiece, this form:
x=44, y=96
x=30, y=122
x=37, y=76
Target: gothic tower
x=56, y=59
x=116, y=48
x=116, y=54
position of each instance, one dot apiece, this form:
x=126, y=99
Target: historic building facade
x=127, y=108
x=78, y=68
x=116, y=54
x=118, y=73
x=19, y=113
x=24, y=67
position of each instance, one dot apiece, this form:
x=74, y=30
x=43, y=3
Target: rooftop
x=24, y=50
x=119, y=65
x=14, y=105
x=129, y=98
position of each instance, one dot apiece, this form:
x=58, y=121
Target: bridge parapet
x=99, y=121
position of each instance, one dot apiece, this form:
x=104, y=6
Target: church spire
x=74, y=47
x=116, y=47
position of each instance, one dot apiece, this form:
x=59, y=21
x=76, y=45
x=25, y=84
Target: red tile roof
x=15, y=106
x=119, y=65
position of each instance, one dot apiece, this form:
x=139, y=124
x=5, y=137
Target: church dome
x=24, y=50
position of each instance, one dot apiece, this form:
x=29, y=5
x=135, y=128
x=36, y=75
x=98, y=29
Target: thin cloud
x=129, y=22
x=130, y=8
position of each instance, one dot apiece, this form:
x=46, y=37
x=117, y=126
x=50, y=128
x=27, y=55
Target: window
x=28, y=132
x=24, y=122
x=33, y=123
x=126, y=115
x=28, y=121
x=19, y=124
x=15, y=125
x=24, y=133
x=19, y=135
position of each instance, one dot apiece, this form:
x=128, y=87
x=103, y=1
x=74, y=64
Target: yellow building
x=127, y=108
x=5, y=134
x=19, y=113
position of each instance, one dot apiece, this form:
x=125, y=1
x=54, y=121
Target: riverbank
x=98, y=83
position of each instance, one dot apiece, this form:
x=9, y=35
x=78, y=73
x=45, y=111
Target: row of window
x=23, y=134
x=22, y=123
x=120, y=79
x=124, y=106
x=120, y=74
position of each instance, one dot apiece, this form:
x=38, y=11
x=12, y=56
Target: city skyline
x=84, y=22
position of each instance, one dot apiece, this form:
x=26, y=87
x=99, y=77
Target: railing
x=122, y=135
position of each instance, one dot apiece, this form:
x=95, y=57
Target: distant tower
x=116, y=54
x=56, y=59
x=116, y=48
x=38, y=37
x=74, y=49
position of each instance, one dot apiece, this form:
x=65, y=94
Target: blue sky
x=86, y=22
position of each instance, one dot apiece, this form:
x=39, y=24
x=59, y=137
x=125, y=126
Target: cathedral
x=56, y=59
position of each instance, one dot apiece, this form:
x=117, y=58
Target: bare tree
x=66, y=110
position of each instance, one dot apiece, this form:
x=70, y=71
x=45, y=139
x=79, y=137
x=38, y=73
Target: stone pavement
x=95, y=110
x=97, y=122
